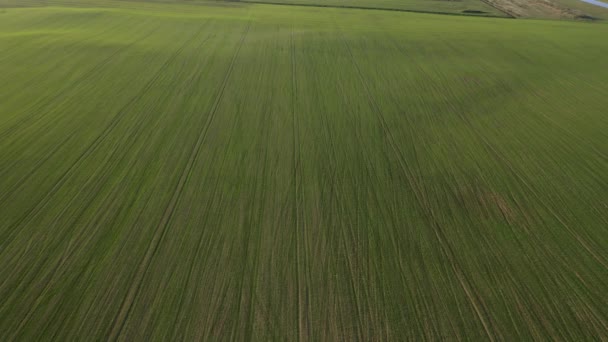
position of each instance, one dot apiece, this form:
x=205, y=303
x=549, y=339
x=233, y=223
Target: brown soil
x=487, y=203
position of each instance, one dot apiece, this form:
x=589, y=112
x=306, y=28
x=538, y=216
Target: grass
x=593, y=10
x=470, y=7
x=460, y=7
x=250, y=172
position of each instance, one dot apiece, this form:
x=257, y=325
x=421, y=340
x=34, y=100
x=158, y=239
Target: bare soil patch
x=537, y=9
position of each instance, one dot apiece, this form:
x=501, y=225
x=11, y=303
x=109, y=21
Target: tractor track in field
x=60, y=261
x=353, y=270
x=358, y=274
x=334, y=197
x=568, y=132
x=303, y=312
x=428, y=213
x=16, y=185
x=7, y=56
x=438, y=230
x=538, y=93
x=115, y=155
x=527, y=293
x=527, y=224
x=391, y=232
x=246, y=248
x=253, y=240
x=302, y=248
x=388, y=9
x=99, y=182
x=201, y=238
x=116, y=119
x=504, y=161
x=40, y=105
x=523, y=292
x=161, y=229
x=72, y=44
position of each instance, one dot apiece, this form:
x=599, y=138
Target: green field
x=475, y=7
x=593, y=10
x=232, y=171
x=461, y=7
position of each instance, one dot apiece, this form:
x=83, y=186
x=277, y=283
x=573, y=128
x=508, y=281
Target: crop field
x=466, y=7
x=593, y=10
x=470, y=7
x=233, y=171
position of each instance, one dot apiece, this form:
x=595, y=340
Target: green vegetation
x=232, y=171
x=471, y=7
x=593, y=10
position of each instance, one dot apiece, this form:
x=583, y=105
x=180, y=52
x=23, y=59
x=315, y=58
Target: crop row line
x=15, y=186
x=485, y=15
x=91, y=147
x=115, y=120
x=421, y=197
x=168, y=214
x=503, y=160
x=499, y=157
x=526, y=224
x=14, y=49
x=30, y=214
x=335, y=195
x=40, y=104
x=201, y=239
x=97, y=183
x=302, y=289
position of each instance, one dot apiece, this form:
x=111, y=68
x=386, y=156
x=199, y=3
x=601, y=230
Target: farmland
x=236, y=171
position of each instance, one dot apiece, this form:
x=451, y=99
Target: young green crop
x=255, y=172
